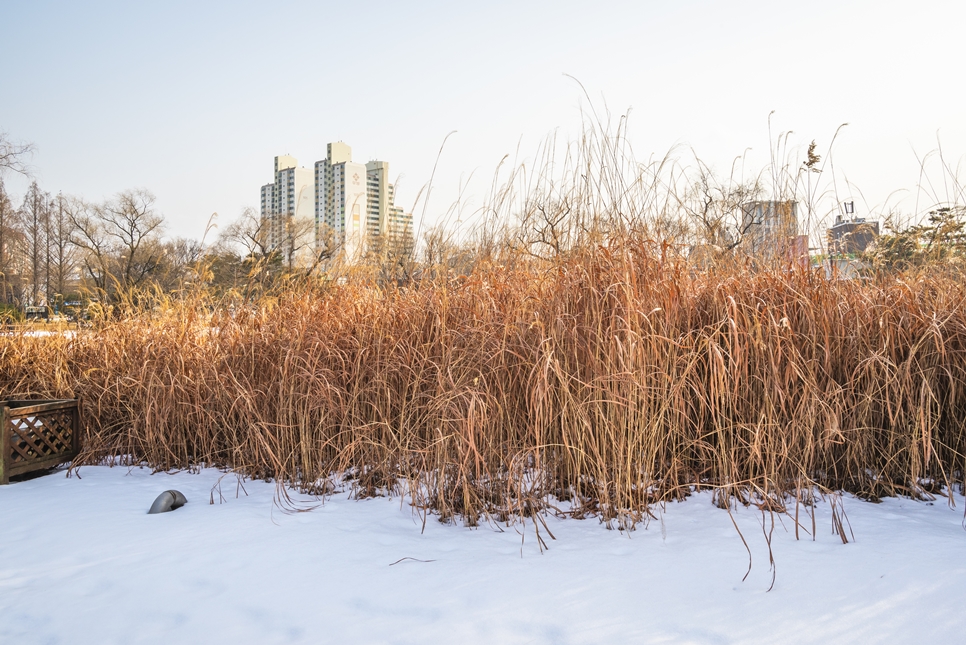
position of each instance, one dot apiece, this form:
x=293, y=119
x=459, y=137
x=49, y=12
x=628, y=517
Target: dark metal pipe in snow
x=168, y=501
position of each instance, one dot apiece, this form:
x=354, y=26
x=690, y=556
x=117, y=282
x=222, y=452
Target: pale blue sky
x=192, y=100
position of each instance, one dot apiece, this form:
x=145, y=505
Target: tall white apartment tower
x=340, y=199
x=383, y=217
x=379, y=197
x=290, y=196
x=268, y=203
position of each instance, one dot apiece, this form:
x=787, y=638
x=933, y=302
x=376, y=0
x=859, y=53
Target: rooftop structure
x=849, y=237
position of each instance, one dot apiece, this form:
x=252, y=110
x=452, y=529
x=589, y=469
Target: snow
x=82, y=562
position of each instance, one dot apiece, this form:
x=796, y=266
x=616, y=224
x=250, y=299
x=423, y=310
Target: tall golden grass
x=559, y=354
x=613, y=376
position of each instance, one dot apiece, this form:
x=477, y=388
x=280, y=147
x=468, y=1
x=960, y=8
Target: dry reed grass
x=613, y=377
x=574, y=359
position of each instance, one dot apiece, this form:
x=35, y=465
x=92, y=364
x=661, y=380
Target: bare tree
x=33, y=218
x=250, y=232
x=131, y=222
x=298, y=238
x=244, y=253
x=11, y=246
x=181, y=263
x=714, y=208
x=13, y=155
x=302, y=247
x=119, y=242
x=549, y=227
x=61, y=252
x=89, y=237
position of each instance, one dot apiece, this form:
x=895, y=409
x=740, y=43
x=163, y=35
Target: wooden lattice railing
x=37, y=435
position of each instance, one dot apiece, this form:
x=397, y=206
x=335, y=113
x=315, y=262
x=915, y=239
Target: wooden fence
x=37, y=434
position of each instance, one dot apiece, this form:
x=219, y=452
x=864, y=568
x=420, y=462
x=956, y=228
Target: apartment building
x=341, y=199
x=289, y=196
x=379, y=197
x=353, y=202
x=385, y=220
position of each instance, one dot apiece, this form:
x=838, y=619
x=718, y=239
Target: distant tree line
x=57, y=249
x=938, y=240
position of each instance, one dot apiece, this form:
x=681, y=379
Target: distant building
x=341, y=199
x=289, y=196
x=384, y=220
x=769, y=230
x=380, y=195
x=353, y=202
x=849, y=237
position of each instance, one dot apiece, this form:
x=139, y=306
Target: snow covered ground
x=82, y=562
